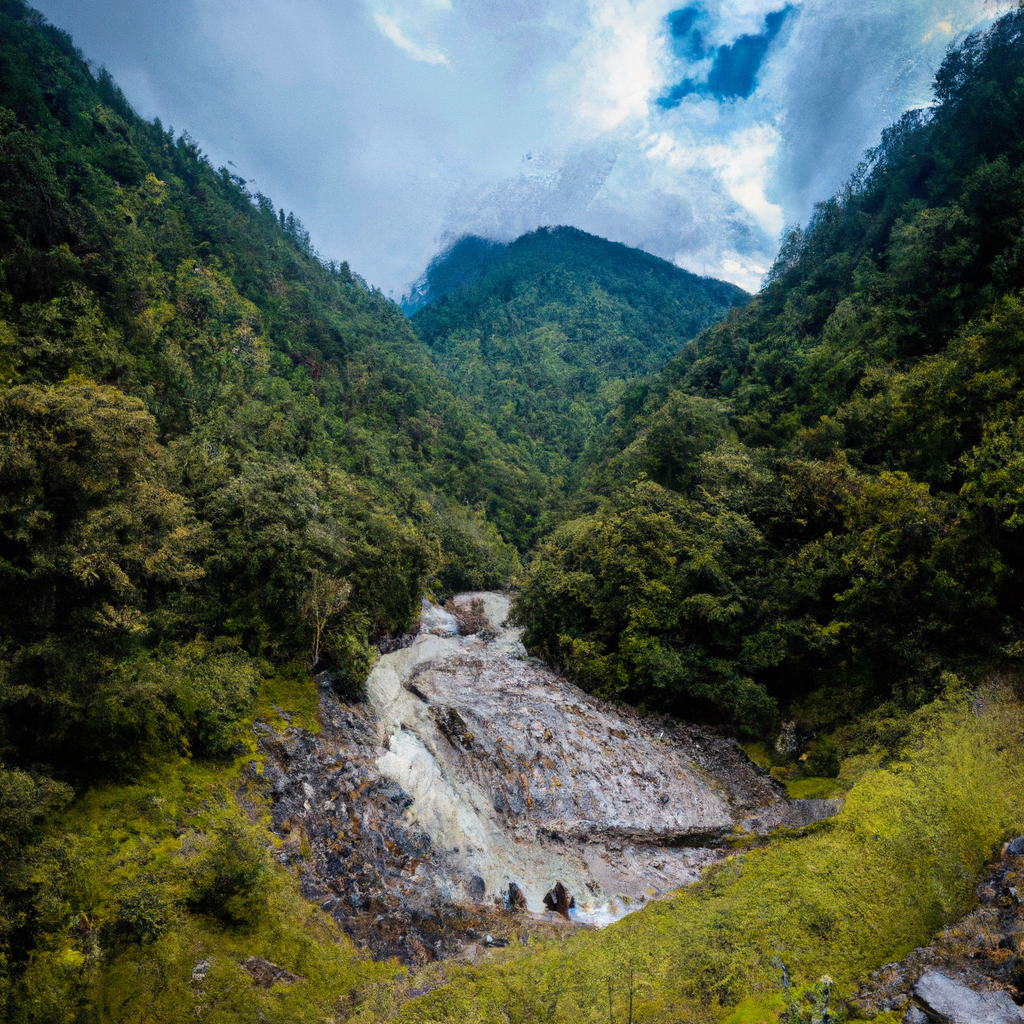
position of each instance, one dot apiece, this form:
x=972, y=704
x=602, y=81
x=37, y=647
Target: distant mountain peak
x=471, y=257
x=463, y=262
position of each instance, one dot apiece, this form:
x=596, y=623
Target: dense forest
x=229, y=466
x=541, y=336
x=222, y=458
x=219, y=455
x=816, y=505
x=204, y=432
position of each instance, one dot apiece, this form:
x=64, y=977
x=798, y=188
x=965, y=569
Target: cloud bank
x=694, y=130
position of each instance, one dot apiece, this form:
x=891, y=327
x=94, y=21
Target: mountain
x=230, y=471
x=815, y=506
x=541, y=336
x=461, y=264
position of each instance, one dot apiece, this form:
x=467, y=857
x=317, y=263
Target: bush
x=231, y=878
x=140, y=916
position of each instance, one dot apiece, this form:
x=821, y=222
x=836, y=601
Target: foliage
x=222, y=459
x=138, y=884
x=873, y=389
x=202, y=427
x=542, y=335
x=230, y=878
x=225, y=463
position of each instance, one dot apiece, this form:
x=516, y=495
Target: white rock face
x=437, y=620
x=518, y=776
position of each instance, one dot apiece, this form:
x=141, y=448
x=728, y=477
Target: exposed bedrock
x=521, y=777
x=473, y=781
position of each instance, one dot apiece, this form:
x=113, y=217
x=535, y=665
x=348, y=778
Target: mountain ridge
x=552, y=327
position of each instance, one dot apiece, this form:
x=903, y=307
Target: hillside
x=815, y=506
x=542, y=335
x=243, y=765
x=222, y=460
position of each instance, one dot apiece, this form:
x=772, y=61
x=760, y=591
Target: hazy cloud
x=693, y=130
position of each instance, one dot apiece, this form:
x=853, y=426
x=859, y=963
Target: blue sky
x=696, y=131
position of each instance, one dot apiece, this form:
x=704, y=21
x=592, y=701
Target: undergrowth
x=153, y=894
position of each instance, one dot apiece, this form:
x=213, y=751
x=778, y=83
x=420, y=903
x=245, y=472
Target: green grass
x=814, y=789
x=759, y=754
x=842, y=898
x=145, y=846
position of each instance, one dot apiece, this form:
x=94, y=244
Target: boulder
x=516, y=899
x=946, y=1000
x=1015, y=848
x=264, y=973
x=559, y=900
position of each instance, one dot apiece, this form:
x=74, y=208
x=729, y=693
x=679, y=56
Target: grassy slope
x=128, y=857
x=841, y=898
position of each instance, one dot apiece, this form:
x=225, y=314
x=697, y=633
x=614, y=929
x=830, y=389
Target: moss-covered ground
x=156, y=892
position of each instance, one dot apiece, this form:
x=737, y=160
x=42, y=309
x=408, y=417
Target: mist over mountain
x=461, y=264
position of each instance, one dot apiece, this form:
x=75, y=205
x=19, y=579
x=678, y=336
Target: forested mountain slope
x=819, y=500
x=199, y=421
x=219, y=457
x=228, y=471
x=545, y=332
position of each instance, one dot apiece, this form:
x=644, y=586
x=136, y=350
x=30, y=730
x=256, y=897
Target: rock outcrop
x=973, y=971
x=519, y=776
x=941, y=998
x=473, y=779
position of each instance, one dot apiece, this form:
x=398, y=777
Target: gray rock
x=807, y=812
x=944, y=999
x=1016, y=847
x=265, y=974
x=787, y=743
x=436, y=620
x=915, y=1015
x=200, y=970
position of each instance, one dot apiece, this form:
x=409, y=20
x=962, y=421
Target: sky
x=698, y=131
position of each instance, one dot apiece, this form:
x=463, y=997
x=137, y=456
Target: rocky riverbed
x=444, y=809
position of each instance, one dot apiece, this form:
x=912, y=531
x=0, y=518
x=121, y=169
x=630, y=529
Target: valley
x=588, y=641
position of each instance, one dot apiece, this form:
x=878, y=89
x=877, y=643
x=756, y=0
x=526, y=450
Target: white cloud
x=340, y=111
x=614, y=69
x=391, y=29
x=402, y=22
